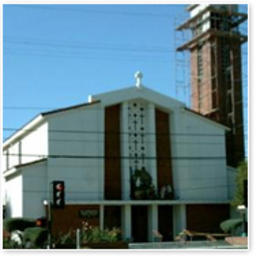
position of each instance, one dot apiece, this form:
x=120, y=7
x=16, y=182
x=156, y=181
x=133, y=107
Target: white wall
x=14, y=196
x=3, y=163
x=14, y=155
x=25, y=191
x=10, y=157
x=196, y=176
x=35, y=143
x=34, y=190
x=33, y=146
x=82, y=136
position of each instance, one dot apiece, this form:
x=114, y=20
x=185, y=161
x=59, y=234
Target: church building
x=132, y=158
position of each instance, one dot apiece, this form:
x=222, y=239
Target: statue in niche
x=166, y=192
x=142, y=187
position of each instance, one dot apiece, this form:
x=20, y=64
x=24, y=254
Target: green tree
x=242, y=175
x=11, y=224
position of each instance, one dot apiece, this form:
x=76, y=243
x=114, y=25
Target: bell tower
x=216, y=73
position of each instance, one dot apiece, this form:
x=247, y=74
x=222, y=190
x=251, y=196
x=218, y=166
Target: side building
x=131, y=158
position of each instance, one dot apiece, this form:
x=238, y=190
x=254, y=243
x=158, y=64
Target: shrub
x=68, y=238
x=36, y=236
x=231, y=225
x=11, y=224
x=89, y=234
x=95, y=234
x=10, y=244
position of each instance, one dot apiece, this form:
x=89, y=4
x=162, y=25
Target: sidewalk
x=220, y=244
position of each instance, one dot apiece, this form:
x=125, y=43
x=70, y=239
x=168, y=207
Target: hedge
x=36, y=236
x=11, y=224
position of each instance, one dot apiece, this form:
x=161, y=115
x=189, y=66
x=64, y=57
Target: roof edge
x=206, y=118
x=21, y=131
x=69, y=108
x=191, y=7
x=30, y=163
x=39, y=119
x=16, y=168
x=124, y=94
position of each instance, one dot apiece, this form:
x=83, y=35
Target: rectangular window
x=200, y=62
x=229, y=102
x=20, y=152
x=7, y=159
x=214, y=99
x=200, y=72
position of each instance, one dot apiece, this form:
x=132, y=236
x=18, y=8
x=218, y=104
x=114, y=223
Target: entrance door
x=165, y=215
x=140, y=223
x=112, y=217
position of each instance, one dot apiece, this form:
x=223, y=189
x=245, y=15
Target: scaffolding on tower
x=209, y=64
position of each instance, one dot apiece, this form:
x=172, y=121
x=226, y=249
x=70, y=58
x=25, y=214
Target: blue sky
x=56, y=55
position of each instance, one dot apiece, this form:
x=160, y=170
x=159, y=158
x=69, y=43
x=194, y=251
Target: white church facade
x=131, y=158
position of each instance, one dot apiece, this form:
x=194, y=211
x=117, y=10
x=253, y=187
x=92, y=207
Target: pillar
x=126, y=222
x=101, y=216
x=179, y=219
x=152, y=221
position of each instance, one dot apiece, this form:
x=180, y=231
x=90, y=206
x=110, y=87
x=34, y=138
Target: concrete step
x=220, y=244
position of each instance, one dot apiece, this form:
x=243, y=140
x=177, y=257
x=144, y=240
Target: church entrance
x=140, y=223
x=165, y=219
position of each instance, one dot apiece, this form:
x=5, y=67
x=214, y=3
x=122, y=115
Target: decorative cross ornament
x=136, y=126
x=138, y=76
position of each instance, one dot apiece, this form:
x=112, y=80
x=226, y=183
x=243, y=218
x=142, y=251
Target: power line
x=66, y=43
x=175, y=189
x=84, y=57
x=94, y=11
x=56, y=156
x=28, y=108
x=80, y=54
x=32, y=42
x=90, y=141
x=114, y=132
x=123, y=142
x=99, y=166
x=58, y=45
x=56, y=108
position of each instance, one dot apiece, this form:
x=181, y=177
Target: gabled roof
x=40, y=118
x=134, y=92
x=106, y=99
x=15, y=168
x=69, y=108
x=207, y=118
x=147, y=94
x=30, y=163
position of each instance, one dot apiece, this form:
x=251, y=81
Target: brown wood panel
x=112, y=153
x=64, y=220
x=206, y=218
x=163, y=150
